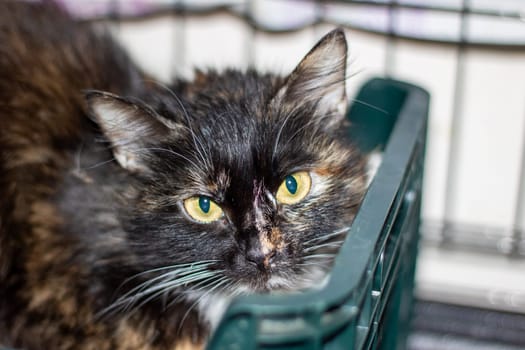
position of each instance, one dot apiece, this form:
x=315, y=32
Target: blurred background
x=470, y=56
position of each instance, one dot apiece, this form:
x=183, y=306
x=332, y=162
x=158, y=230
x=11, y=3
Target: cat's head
x=244, y=181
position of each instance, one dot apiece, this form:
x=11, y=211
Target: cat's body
x=107, y=233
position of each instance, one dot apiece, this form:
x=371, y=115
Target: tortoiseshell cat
x=130, y=217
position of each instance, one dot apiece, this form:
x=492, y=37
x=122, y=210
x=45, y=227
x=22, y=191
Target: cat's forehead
x=236, y=151
x=230, y=157
x=240, y=131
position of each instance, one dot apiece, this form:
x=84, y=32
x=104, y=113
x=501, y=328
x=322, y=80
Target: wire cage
x=470, y=56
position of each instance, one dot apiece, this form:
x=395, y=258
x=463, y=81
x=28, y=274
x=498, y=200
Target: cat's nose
x=258, y=258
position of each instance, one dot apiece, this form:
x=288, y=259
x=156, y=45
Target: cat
x=132, y=212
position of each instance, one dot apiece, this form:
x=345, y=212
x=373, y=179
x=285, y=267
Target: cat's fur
x=91, y=186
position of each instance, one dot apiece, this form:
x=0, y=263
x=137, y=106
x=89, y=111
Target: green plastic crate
x=367, y=302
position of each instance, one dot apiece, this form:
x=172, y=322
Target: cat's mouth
x=313, y=278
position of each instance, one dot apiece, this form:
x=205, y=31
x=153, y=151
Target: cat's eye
x=202, y=209
x=294, y=188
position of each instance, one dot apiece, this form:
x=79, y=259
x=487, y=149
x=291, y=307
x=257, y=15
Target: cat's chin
x=213, y=305
x=312, y=278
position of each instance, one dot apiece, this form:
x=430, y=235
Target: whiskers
x=334, y=244
x=319, y=252
x=202, y=151
x=193, y=277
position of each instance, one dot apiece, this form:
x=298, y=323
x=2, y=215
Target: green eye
x=294, y=188
x=202, y=209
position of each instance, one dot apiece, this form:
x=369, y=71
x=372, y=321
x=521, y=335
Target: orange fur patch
x=271, y=243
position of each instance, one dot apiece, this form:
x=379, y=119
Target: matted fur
x=96, y=250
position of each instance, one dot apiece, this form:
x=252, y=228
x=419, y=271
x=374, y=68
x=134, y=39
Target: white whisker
x=176, y=276
x=278, y=137
x=98, y=164
x=171, y=152
x=168, y=289
x=326, y=236
x=176, y=271
x=335, y=244
x=317, y=256
x=219, y=283
x=198, y=145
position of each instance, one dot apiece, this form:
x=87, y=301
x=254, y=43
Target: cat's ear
x=320, y=79
x=129, y=126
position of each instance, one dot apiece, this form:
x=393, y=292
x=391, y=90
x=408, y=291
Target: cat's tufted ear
x=129, y=126
x=320, y=78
